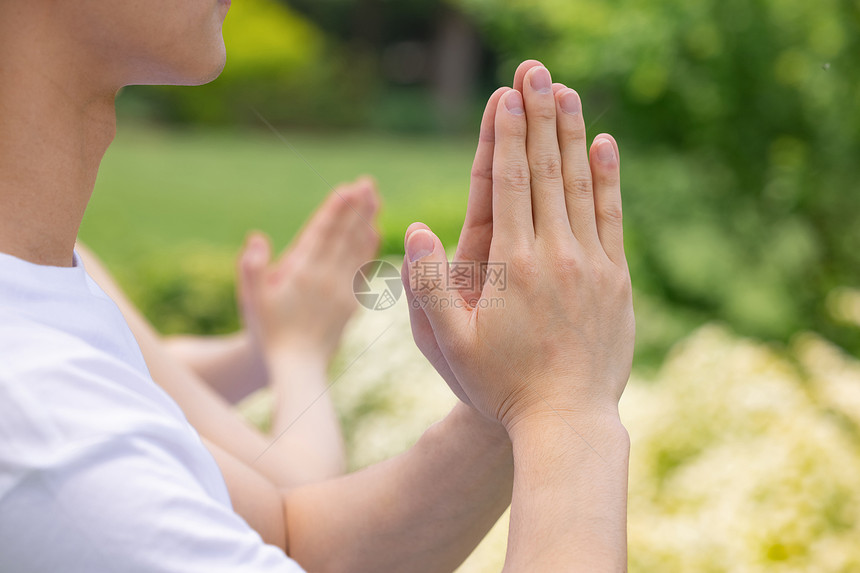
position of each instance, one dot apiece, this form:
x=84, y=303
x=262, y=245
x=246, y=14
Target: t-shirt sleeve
x=124, y=503
x=101, y=473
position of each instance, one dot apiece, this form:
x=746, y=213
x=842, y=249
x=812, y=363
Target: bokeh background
x=738, y=124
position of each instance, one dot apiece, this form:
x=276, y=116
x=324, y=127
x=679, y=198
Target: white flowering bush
x=745, y=457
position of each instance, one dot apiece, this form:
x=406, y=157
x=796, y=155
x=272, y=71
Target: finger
x=557, y=87
x=354, y=242
x=415, y=227
x=512, y=204
x=369, y=197
x=578, y=186
x=416, y=313
x=544, y=156
x=425, y=339
x=352, y=209
x=252, y=265
x=428, y=271
x=605, y=167
x=522, y=70
x=464, y=275
x=474, y=244
x=320, y=223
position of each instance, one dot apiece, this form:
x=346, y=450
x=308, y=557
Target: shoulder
x=61, y=397
x=51, y=374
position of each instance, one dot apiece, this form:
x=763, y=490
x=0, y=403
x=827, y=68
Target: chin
x=202, y=68
x=211, y=73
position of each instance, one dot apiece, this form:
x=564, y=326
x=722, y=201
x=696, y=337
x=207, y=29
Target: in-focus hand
x=557, y=332
x=300, y=303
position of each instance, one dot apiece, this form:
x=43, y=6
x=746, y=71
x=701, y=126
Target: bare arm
x=424, y=510
x=229, y=364
x=569, y=509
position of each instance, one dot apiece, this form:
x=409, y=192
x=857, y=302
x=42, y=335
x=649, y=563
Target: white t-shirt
x=99, y=469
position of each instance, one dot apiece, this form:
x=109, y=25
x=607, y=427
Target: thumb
x=428, y=280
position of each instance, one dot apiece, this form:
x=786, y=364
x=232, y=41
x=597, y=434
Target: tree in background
x=426, y=51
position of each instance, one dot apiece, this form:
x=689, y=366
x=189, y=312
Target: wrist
x=599, y=429
x=295, y=364
x=486, y=429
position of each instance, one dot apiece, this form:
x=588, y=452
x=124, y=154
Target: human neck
x=55, y=126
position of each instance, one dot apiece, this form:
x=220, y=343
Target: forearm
x=304, y=413
x=228, y=364
x=569, y=503
x=425, y=510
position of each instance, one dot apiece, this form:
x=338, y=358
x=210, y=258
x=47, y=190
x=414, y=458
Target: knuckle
x=487, y=135
x=611, y=213
x=482, y=172
x=511, y=127
x=544, y=112
x=610, y=177
x=572, y=129
x=547, y=168
x=578, y=185
x=568, y=265
x=523, y=265
x=512, y=174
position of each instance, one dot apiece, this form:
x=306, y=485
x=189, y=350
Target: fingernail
x=514, y=102
x=605, y=151
x=540, y=80
x=570, y=103
x=419, y=245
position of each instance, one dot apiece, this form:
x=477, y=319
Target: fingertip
x=539, y=79
x=557, y=87
x=569, y=101
x=256, y=252
x=370, y=196
x=499, y=93
x=606, y=136
x=367, y=181
x=522, y=70
x=614, y=144
x=256, y=240
x=420, y=245
x=605, y=150
x=488, y=122
x=513, y=103
x=414, y=227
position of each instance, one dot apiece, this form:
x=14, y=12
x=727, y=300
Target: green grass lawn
x=159, y=189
